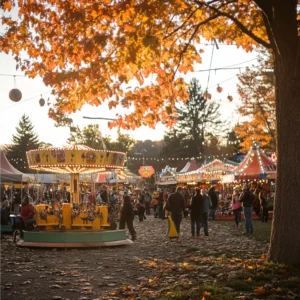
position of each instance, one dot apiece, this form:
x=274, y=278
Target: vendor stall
x=213, y=172
x=166, y=177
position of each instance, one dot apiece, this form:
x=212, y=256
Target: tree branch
x=239, y=24
x=191, y=38
x=182, y=25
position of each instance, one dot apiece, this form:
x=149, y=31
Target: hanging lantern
x=42, y=101
x=230, y=98
x=219, y=89
x=207, y=96
x=15, y=95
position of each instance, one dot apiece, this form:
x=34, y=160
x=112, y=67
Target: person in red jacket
x=27, y=212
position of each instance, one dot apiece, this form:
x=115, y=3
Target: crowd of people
x=199, y=205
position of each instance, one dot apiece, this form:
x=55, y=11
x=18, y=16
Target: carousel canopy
x=10, y=174
x=189, y=167
x=74, y=159
x=256, y=164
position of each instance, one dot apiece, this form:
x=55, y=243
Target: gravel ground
x=95, y=273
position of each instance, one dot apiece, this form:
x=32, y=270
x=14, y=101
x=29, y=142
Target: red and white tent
x=256, y=165
x=189, y=167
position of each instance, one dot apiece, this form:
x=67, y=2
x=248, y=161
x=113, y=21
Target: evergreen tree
x=196, y=121
x=25, y=139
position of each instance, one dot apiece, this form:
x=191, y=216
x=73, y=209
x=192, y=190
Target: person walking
x=247, y=199
x=187, y=200
x=236, y=208
x=205, y=206
x=214, y=200
x=148, y=200
x=175, y=205
x=127, y=215
x=141, y=206
x=264, y=204
x=195, y=207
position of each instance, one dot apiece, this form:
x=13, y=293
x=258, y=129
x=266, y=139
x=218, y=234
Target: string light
x=184, y=158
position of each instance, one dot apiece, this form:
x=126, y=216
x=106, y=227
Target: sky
x=33, y=89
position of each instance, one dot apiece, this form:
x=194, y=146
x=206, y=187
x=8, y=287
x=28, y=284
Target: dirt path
x=29, y=274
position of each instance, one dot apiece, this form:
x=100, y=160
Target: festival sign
x=146, y=171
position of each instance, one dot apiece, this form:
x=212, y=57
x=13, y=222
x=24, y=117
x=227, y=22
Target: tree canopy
x=90, y=136
x=257, y=93
x=130, y=54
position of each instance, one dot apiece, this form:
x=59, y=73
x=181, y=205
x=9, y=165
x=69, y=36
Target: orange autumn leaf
x=259, y=290
x=276, y=290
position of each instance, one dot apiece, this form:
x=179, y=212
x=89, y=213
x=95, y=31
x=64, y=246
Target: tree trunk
x=285, y=235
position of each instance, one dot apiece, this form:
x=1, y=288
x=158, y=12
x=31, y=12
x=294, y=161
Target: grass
x=268, y=281
x=262, y=231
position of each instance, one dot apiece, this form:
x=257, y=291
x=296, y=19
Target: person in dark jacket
x=104, y=194
x=214, y=200
x=195, y=212
x=127, y=215
x=264, y=204
x=5, y=212
x=256, y=203
x=176, y=205
x=204, y=209
x=160, y=207
x=16, y=202
x=247, y=199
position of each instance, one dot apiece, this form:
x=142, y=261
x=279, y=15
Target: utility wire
x=223, y=81
x=12, y=75
x=211, y=58
x=99, y=118
x=25, y=100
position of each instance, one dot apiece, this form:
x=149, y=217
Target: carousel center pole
x=75, y=188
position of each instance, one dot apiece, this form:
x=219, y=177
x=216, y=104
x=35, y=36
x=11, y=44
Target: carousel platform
x=74, y=239
x=6, y=228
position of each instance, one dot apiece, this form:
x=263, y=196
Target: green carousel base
x=74, y=239
x=6, y=228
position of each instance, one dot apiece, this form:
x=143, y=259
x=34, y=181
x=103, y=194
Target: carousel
x=74, y=224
